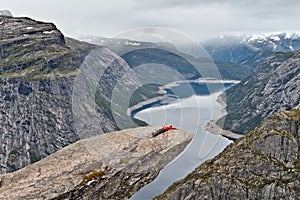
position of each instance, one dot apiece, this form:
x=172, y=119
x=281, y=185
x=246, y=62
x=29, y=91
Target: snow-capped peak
x=291, y=36
x=259, y=38
x=132, y=43
x=275, y=38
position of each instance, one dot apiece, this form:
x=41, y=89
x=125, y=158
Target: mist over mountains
x=39, y=67
x=227, y=51
x=252, y=49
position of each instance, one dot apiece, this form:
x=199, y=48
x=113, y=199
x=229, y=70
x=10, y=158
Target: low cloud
x=197, y=19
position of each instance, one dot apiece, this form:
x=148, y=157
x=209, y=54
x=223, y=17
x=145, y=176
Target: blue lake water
x=195, y=106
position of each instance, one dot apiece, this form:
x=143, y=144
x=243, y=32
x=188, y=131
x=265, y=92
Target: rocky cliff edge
x=264, y=164
x=108, y=166
x=42, y=80
x=273, y=87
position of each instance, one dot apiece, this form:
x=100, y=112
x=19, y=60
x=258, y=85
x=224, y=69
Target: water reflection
x=189, y=114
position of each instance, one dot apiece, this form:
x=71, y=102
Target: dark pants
x=159, y=131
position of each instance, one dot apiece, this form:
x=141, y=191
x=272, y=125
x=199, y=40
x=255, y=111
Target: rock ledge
x=107, y=166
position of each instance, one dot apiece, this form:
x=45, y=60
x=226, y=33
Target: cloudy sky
x=198, y=19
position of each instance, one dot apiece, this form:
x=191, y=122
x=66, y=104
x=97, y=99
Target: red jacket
x=169, y=127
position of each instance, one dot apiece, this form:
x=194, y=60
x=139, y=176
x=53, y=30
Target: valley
x=77, y=115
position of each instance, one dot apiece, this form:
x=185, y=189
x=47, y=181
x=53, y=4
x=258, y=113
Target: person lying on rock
x=162, y=130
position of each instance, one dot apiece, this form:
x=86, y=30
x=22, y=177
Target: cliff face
x=264, y=164
x=36, y=117
x=36, y=120
x=108, y=166
x=33, y=49
x=38, y=68
x=274, y=86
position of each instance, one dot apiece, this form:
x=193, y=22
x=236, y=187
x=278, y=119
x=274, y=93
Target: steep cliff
x=38, y=68
x=264, y=164
x=108, y=166
x=274, y=86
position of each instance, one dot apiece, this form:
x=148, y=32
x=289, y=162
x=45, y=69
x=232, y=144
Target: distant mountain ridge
x=250, y=49
x=137, y=53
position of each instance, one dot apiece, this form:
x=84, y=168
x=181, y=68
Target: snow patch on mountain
x=132, y=43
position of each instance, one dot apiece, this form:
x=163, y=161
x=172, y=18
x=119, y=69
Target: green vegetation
x=92, y=176
x=233, y=71
x=104, y=104
x=137, y=97
x=294, y=114
x=34, y=157
x=32, y=69
x=36, y=58
x=297, y=165
x=186, y=65
x=15, y=151
x=249, y=125
x=226, y=123
x=143, y=93
x=284, y=55
x=50, y=115
x=163, y=57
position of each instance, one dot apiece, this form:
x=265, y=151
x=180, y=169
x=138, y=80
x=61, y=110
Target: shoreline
x=163, y=96
x=204, y=146
x=210, y=126
x=145, y=103
x=213, y=128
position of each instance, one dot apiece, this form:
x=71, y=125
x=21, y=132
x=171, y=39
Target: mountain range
x=250, y=49
x=47, y=84
x=137, y=53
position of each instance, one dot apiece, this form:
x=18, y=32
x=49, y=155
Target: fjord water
x=190, y=112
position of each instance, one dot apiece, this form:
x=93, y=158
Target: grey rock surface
x=36, y=90
x=274, y=86
x=38, y=70
x=264, y=164
x=36, y=120
x=6, y=13
x=107, y=166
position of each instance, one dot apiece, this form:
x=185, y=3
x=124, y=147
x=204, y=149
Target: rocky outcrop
x=274, y=86
x=212, y=127
x=38, y=70
x=264, y=164
x=6, y=13
x=108, y=166
x=36, y=115
x=36, y=120
x=33, y=49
